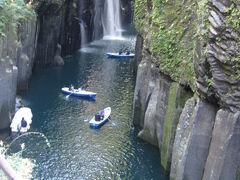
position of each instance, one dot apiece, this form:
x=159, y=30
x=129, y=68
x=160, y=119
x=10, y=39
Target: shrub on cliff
x=12, y=13
x=169, y=32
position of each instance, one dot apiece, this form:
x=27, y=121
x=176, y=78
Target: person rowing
x=71, y=88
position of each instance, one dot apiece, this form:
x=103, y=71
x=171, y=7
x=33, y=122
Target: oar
x=69, y=95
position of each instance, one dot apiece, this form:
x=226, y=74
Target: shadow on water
x=78, y=152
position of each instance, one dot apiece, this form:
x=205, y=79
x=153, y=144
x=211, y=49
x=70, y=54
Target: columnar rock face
x=8, y=85
x=138, y=53
x=217, y=75
x=59, y=24
x=150, y=100
x=206, y=132
x=26, y=52
x=158, y=103
x=192, y=140
x=127, y=7
x=223, y=159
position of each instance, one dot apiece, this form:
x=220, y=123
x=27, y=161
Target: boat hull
x=81, y=94
x=96, y=126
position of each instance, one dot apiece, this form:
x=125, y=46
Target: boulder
x=58, y=60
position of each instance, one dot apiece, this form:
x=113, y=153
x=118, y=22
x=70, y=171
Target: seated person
x=71, y=88
x=23, y=122
x=128, y=52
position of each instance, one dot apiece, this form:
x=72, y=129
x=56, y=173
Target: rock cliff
x=17, y=50
x=188, y=48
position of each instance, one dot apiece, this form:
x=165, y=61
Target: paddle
x=69, y=95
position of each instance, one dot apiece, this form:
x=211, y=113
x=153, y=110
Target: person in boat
x=99, y=116
x=21, y=125
x=23, y=122
x=128, y=52
x=120, y=52
x=71, y=88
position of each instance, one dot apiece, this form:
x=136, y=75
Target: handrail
x=7, y=169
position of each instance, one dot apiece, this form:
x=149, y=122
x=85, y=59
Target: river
x=78, y=152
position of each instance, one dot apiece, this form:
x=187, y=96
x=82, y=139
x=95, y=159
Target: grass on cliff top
x=173, y=35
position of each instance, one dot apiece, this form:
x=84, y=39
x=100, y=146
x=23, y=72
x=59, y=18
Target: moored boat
x=120, y=55
x=100, y=118
x=78, y=92
x=21, y=120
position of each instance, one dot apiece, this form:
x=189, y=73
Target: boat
x=120, y=55
x=21, y=120
x=78, y=93
x=100, y=118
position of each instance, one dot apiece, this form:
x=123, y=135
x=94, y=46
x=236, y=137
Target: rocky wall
x=200, y=141
x=158, y=103
x=193, y=137
x=224, y=152
x=17, y=55
x=56, y=27
x=27, y=38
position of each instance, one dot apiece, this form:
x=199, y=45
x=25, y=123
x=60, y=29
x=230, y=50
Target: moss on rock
x=168, y=123
x=177, y=98
x=173, y=34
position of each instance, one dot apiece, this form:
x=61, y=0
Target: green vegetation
x=12, y=14
x=233, y=21
x=140, y=12
x=172, y=34
x=233, y=18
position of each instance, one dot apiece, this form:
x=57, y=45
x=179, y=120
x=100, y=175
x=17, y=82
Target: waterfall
x=111, y=21
x=83, y=34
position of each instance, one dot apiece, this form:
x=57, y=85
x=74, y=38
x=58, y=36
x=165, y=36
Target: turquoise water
x=78, y=152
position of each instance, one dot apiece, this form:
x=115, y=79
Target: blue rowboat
x=100, y=118
x=78, y=93
x=122, y=55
